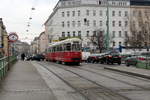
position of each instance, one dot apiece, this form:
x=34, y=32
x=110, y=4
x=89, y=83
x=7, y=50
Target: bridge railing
x=5, y=63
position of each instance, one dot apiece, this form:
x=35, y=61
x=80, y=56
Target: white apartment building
x=85, y=17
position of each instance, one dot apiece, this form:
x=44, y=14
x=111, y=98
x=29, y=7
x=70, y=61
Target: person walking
x=22, y=56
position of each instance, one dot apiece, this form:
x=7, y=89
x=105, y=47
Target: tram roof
x=64, y=41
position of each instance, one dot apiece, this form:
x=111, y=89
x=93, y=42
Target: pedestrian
x=22, y=56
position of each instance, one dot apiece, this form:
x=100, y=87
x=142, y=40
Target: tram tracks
x=89, y=89
x=141, y=87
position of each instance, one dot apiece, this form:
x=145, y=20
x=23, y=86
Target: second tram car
x=66, y=51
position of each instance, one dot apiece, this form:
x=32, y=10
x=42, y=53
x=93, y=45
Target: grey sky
x=16, y=13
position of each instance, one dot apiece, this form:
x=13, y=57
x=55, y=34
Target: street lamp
x=107, y=34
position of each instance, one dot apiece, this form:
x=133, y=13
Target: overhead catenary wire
x=30, y=19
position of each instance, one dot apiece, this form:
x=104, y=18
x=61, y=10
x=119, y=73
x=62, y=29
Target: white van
x=85, y=55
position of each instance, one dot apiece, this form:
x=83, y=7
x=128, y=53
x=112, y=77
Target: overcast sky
x=16, y=13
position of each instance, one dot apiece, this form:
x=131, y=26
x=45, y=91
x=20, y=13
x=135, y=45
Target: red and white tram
x=66, y=51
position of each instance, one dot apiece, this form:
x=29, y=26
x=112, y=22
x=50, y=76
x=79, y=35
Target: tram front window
x=68, y=47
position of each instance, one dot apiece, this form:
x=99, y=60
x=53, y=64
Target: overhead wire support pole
x=107, y=34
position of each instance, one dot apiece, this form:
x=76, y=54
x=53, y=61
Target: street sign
x=13, y=37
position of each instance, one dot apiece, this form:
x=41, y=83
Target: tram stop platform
x=23, y=82
x=144, y=73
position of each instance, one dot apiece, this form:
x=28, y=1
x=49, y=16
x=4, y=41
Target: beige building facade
x=43, y=42
x=140, y=24
x=3, y=39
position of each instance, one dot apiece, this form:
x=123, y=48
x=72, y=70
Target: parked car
x=38, y=57
x=135, y=59
x=131, y=60
x=29, y=58
x=111, y=58
x=94, y=58
x=124, y=57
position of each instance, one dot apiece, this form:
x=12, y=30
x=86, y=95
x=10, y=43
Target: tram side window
x=76, y=46
x=60, y=48
x=57, y=48
x=68, y=47
x=54, y=49
x=50, y=50
x=73, y=47
x=79, y=46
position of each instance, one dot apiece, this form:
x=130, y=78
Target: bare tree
x=97, y=39
x=139, y=30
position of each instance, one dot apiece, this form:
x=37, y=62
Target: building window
x=134, y=13
x=99, y=2
x=119, y=13
x=68, y=23
x=63, y=24
x=126, y=34
x=101, y=13
x=134, y=23
x=120, y=35
x=114, y=43
x=94, y=12
x=113, y=13
x=126, y=13
x=73, y=13
x=87, y=33
x=126, y=44
x=68, y=34
x=114, y=34
x=113, y=23
x=63, y=34
x=94, y=33
x=73, y=23
x=119, y=23
x=79, y=13
x=139, y=13
x=126, y=23
x=79, y=23
x=146, y=13
x=68, y=13
x=101, y=23
x=74, y=33
x=63, y=3
x=79, y=33
x=94, y=23
x=120, y=43
x=88, y=23
x=63, y=14
x=87, y=12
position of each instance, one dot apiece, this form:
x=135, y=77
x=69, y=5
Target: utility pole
x=107, y=34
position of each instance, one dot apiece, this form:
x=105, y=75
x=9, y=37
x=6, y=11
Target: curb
x=130, y=73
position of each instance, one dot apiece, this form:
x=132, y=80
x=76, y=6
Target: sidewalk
x=144, y=73
x=23, y=82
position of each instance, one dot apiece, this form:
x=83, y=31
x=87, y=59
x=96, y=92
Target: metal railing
x=143, y=64
x=5, y=64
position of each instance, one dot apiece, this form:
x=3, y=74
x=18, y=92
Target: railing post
x=0, y=69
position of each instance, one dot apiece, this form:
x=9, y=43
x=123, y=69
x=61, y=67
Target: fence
x=5, y=64
x=143, y=64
